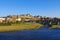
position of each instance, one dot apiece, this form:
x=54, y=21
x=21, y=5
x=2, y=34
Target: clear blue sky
x=50, y=8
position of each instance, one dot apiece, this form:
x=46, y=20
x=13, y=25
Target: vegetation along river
x=43, y=33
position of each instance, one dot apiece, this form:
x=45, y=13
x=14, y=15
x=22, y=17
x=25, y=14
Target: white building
x=18, y=19
x=2, y=20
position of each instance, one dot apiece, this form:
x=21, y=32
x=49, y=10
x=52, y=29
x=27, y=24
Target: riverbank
x=41, y=34
x=55, y=26
x=21, y=26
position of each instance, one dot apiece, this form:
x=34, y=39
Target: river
x=43, y=33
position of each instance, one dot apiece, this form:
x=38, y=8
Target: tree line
x=54, y=21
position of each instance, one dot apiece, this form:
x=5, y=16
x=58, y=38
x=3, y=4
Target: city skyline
x=49, y=8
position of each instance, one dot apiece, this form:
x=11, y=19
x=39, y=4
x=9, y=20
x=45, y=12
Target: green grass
x=55, y=26
x=20, y=26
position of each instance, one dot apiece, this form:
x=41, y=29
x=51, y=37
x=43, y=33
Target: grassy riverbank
x=20, y=26
x=55, y=26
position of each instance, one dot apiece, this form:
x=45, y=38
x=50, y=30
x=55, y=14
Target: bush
x=5, y=24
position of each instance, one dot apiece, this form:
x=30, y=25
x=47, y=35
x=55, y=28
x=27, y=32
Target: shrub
x=5, y=24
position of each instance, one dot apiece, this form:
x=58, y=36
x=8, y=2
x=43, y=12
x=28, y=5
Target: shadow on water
x=43, y=33
x=45, y=27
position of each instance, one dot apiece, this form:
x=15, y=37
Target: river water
x=43, y=33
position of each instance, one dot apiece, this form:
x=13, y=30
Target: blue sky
x=49, y=8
